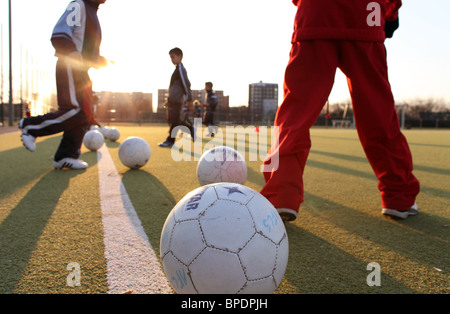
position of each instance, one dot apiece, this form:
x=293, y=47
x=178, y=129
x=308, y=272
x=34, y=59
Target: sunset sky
x=231, y=43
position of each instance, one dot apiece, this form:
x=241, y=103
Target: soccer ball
x=134, y=152
x=221, y=164
x=93, y=140
x=224, y=238
x=104, y=130
x=113, y=134
x=94, y=128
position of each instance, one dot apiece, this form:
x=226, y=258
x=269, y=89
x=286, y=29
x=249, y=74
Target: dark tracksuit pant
x=73, y=116
x=174, y=120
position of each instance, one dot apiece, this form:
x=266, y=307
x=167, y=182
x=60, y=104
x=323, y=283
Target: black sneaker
x=70, y=163
x=287, y=214
x=166, y=144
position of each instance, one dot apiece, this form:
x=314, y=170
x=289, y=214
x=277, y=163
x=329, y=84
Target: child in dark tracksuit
x=76, y=39
x=349, y=35
x=211, y=103
x=179, y=94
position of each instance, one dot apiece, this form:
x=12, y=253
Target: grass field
x=49, y=218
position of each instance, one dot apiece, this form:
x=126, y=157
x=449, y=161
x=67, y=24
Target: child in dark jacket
x=76, y=39
x=179, y=94
x=210, y=105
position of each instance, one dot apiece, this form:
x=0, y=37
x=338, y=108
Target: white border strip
x=131, y=261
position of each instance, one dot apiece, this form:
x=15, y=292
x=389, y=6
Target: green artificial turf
x=49, y=218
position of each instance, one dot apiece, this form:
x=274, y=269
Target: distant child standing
x=211, y=102
x=349, y=35
x=76, y=39
x=179, y=94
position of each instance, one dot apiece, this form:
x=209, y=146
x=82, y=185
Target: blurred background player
x=76, y=39
x=349, y=35
x=211, y=102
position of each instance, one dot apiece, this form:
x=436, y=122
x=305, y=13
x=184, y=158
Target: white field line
x=131, y=261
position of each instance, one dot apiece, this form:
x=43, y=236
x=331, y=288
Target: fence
x=234, y=117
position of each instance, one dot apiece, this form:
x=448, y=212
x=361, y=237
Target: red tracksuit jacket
x=324, y=19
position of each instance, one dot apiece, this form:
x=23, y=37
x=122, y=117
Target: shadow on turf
x=110, y=144
x=425, y=232
x=318, y=267
x=364, y=160
x=361, y=174
x=429, y=224
x=321, y=267
x=256, y=177
x=21, y=166
x=22, y=228
x=152, y=202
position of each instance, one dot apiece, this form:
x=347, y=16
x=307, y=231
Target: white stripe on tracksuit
x=72, y=87
x=69, y=114
x=183, y=80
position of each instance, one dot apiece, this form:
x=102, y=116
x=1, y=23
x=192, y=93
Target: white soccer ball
x=93, y=140
x=221, y=164
x=113, y=134
x=94, y=128
x=224, y=238
x=104, y=130
x=134, y=152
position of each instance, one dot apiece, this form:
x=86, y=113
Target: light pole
x=1, y=74
x=10, y=107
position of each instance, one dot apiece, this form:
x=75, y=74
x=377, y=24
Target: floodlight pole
x=10, y=107
x=1, y=74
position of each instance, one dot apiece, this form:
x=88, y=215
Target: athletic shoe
x=403, y=214
x=21, y=123
x=28, y=141
x=287, y=214
x=70, y=163
x=166, y=144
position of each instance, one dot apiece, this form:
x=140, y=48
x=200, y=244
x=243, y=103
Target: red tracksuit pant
x=309, y=79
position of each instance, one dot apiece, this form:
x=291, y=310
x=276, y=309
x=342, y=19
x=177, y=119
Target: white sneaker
x=28, y=141
x=403, y=214
x=70, y=163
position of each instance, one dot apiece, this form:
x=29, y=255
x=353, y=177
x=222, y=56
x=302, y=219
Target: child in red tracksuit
x=349, y=35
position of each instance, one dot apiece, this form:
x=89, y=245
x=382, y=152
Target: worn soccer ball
x=113, y=134
x=134, y=152
x=221, y=164
x=224, y=238
x=93, y=140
